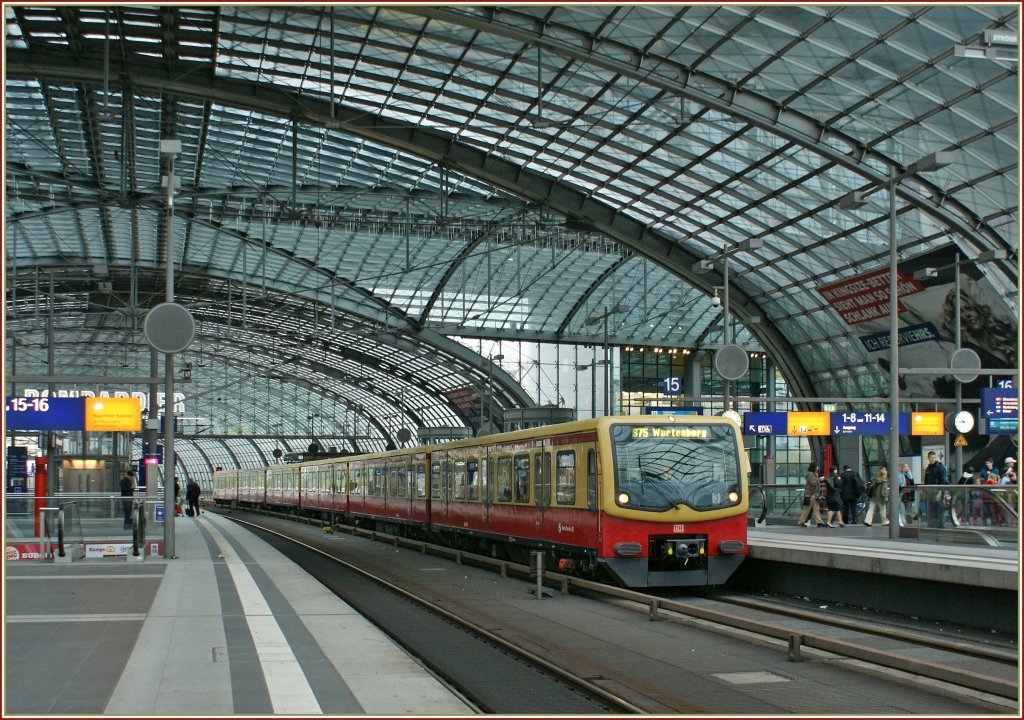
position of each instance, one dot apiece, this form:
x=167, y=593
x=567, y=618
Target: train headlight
x=623, y=498
x=734, y=496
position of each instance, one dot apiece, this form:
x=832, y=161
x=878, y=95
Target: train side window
x=472, y=480
x=435, y=480
x=565, y=482
x=504, y=489
x=542, y=480
x=522, y=478
x=460, y=479
x=421, y=480
x=379, y=480
x=446, y=476
x=592, y=479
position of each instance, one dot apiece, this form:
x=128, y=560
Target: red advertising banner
x=866, y=297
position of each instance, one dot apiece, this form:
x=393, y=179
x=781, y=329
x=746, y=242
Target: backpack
x=870, y=488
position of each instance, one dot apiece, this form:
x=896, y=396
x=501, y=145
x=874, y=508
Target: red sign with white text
x=866, y=297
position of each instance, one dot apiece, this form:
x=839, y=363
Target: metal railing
x=940, y=513
x=98, y=517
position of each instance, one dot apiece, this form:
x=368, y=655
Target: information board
x=859, y=423
x=998, y=402
x=928, y=423
x=764, y=423
x=808, y=423
x=113, y=415
x=45, y=413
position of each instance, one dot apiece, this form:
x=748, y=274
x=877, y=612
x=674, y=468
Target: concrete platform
x=229, y=627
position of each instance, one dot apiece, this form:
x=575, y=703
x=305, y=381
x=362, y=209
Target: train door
x=434, y=492
x=541, y=489
x=486, y=492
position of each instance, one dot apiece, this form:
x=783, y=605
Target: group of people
x=833, y=499
x=128, y=487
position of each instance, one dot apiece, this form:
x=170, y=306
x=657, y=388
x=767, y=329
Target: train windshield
x=665, y=467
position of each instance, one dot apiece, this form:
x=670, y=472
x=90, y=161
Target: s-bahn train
x=639, y=501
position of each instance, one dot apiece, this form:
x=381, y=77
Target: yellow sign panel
x=927, y=423
x=960, y=441
x=113, y=414
x=807, y=423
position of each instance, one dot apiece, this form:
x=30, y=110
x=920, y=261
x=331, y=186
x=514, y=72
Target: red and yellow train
x=641, y=501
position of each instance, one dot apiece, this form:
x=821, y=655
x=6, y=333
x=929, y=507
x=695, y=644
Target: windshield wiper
x=654, y=480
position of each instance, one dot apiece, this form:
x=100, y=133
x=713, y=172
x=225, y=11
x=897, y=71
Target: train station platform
x=924, y=573
x=230, y=626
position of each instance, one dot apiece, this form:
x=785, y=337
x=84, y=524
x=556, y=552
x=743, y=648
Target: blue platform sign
x=655, y=410
x=999, y=402
x=159, y=513
x=764, y=423
x=859, y=423
x=45, y=413
x=672, y=386
x=1001, y=426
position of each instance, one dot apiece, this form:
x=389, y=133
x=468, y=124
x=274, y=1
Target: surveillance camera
x=716, y=301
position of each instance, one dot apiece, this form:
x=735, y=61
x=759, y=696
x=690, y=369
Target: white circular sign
x=169, y=327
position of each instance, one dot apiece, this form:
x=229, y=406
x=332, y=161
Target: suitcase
x=189, y=512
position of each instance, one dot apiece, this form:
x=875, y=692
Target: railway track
x=553, y=688
x=908, y=655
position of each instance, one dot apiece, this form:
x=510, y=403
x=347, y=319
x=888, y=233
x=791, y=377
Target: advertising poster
x=926, y=319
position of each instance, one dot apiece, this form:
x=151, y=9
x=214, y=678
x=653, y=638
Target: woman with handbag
x=812, y=486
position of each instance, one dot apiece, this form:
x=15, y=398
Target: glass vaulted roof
x=359, y=185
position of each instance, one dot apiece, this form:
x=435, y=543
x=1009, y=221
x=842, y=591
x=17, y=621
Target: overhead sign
x=672, y=386
x=40, y=413
x=928, y=423
x=998, y=402
x=764, y=423
x=113, y=415
x=1001, y=426
x=808, y=423
x=859, y=423
x=655, y=410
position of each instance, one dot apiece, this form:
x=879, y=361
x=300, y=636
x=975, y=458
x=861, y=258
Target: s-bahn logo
x=566, y=528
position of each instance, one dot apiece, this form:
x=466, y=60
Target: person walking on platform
x=834, y=498
x=878, y=497
x=812, y=486
x=852, y=488
x=908, y=498
x=127, y=492
x=192, y=492
x=936, y=474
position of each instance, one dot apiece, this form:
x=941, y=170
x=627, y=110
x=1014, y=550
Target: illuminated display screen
x=113, y=415
x=808, y=423
x=927, y=423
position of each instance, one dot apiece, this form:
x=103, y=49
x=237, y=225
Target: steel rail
x=655, y=606
x=536, y=660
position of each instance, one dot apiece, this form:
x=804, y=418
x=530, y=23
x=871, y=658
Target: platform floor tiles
x=230, y=626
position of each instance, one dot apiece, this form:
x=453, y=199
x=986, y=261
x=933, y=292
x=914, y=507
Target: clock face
x=963, y=421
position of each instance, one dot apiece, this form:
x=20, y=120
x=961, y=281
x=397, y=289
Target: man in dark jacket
x=853, y=488
x=192, y=492
x=127, y=493
x=936, y=474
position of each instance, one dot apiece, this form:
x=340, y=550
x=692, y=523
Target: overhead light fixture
x=853, y=200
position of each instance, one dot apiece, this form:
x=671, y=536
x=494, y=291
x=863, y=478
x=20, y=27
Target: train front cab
x=673, y=497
